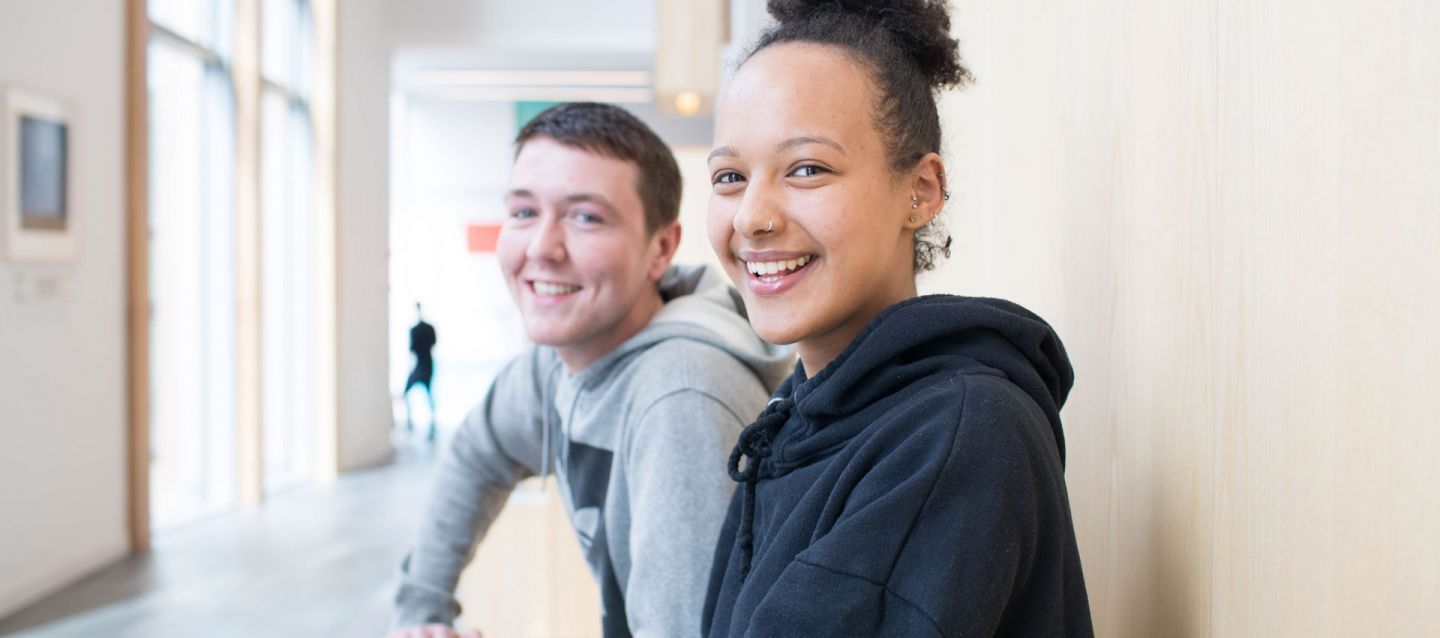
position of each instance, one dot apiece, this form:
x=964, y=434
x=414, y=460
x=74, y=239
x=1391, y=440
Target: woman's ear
x=929, y=190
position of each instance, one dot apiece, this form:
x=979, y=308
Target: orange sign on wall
x=481, y=238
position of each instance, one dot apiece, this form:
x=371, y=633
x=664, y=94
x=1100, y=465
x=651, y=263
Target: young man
x=641, y=379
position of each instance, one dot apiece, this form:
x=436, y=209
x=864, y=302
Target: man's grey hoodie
x=638, y=442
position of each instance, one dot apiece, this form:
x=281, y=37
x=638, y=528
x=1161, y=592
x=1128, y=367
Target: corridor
x=318, y=561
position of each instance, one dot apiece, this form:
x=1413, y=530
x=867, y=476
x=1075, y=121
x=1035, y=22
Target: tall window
x=192, y=260
x=202, y=394
x=288, y=216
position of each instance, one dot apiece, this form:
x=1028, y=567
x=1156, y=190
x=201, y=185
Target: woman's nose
x=758, y=215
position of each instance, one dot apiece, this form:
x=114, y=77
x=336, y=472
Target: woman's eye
x=523, y=213
x=727, y=177
x=587, y=218
x=808, y=170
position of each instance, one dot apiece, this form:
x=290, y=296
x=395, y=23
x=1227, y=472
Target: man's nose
x=548, y=242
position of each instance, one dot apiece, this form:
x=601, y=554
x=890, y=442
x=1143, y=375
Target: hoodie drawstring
x=754, y=442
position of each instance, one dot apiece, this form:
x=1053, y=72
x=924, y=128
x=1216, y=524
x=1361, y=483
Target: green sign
x=526, y=111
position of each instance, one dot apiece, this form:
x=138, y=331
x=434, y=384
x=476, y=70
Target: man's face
x=575, y=252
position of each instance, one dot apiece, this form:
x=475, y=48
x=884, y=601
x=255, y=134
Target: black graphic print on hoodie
x=914, y=487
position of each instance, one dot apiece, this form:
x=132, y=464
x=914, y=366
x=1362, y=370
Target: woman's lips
x=770, y=275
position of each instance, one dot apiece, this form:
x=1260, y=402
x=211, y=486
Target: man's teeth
x=549, y=290
x=763, y=268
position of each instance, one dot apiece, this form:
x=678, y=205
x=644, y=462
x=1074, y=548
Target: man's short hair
x=611, y=131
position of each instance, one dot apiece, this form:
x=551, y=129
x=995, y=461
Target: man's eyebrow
x=809, y=139
x=723, y=151
x=593, y=198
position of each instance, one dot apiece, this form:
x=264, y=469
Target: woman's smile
x=772, y=273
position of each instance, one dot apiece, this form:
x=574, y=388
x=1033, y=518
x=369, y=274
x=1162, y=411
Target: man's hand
x=433, y=631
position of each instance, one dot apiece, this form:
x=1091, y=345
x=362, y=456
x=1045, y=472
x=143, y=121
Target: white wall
x=62, y=383
x=363, y=203
x=694, y=206
x=1230, y=211
x=578, y=25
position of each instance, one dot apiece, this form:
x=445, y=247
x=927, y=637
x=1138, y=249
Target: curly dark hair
x=611, y=131
x=905, y=46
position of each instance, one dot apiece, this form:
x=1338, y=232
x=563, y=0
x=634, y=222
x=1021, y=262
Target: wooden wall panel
x=1230, y=210
x=1084, y=163
x=1330, y=174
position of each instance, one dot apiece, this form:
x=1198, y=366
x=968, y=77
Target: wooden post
x=137, y=233
x=247, y=253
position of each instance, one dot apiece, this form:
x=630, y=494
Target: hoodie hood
x=925, y=337
x=700, y=305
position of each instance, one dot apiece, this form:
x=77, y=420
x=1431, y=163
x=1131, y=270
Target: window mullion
x=210, y=56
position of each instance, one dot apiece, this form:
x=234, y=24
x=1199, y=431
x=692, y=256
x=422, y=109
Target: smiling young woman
x=908, y=479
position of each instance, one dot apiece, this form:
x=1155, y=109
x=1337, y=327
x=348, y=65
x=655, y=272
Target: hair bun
x=920, y=28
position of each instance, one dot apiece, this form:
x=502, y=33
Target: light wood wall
x=1230, y=211
x=528, y=578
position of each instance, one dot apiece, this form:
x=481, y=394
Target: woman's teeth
x=767, y=268
x=547, y=289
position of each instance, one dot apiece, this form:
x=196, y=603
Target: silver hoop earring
x=946, y=192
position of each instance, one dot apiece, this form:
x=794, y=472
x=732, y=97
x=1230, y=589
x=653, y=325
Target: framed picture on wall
x=39, y=217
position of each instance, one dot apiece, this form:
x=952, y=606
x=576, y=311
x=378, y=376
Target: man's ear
x=665, y=242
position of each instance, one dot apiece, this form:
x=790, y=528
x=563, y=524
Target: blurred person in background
x=422, y=343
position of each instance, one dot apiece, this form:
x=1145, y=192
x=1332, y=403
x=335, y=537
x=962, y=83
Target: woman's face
x=797, y=152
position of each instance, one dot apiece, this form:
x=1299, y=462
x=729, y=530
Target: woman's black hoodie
x=914, y=487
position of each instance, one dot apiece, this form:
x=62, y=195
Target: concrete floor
x=318, y=561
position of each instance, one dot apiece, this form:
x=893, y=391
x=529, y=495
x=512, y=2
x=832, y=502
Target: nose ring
x=768, y=227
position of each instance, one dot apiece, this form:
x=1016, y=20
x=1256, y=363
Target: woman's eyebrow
x=802, y=140
x=723, y=151
x=809, y=139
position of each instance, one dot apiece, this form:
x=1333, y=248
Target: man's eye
x=808, y=170
x=588, y=218
x=727, y=177
x=523, y=213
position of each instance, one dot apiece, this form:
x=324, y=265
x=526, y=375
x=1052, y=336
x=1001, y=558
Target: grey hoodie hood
x=702, y=306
